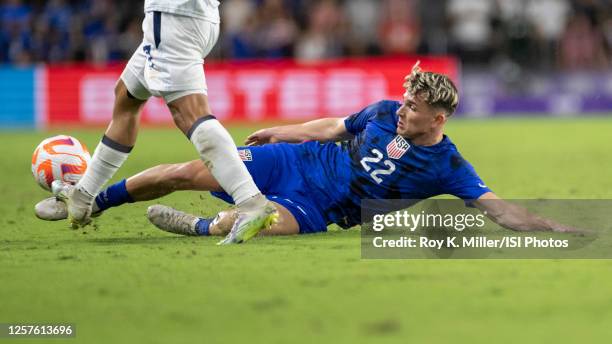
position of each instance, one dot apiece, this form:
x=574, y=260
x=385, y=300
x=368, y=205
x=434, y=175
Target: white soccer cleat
x=250, y=223
x=172, y=220
x=51, y=209
x=78, y=204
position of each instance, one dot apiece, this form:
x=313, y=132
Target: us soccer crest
x=397, y=147
x=245, y=155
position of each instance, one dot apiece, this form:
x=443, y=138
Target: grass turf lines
x=129, y=282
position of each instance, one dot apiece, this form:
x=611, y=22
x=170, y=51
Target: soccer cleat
x=51, y=209
x=79, y=213
x=250, y=223
x=175, y=221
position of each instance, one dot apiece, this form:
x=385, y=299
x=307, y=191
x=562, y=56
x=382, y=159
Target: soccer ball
x=59, y=158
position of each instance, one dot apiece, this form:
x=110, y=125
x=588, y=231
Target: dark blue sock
x=113, y=196
x=203, y=227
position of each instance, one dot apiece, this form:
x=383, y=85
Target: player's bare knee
x=125, y=104
x=120, y=89
x=183, y=124
x=121, y=93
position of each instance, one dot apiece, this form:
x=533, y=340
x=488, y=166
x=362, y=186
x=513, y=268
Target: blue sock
x=113, y=196
x=203, y=227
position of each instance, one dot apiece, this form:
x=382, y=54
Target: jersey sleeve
x=357, y=122
x=462, y=181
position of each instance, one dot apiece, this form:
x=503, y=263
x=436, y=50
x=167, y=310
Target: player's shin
x=107, y=159
x=219, y=153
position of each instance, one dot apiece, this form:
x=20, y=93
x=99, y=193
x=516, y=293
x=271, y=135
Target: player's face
x=416, y=117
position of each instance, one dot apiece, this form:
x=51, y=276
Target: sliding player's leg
x=111, y=153
x=273, y=168
x=178, y=222
x=147, y=185
x=150, y=184
x=162, y=180
x=277, y=172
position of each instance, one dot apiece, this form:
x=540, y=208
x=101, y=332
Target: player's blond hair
x=437, y=90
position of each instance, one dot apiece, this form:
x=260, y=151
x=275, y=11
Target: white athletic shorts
x=169, y=61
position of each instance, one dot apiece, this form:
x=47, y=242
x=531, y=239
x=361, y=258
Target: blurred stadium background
x=297, y=59
x=276, y=60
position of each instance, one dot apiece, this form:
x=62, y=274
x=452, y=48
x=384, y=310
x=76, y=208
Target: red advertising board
x=245, y=91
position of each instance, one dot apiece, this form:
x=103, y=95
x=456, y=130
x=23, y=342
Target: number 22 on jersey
x=377, y=158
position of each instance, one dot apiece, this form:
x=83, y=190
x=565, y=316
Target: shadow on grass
x=27, y=244
x=275, y=241
x=139, y=240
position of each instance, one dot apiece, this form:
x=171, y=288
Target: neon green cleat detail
x=249, y=224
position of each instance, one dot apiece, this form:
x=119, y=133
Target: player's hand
x=260, y=137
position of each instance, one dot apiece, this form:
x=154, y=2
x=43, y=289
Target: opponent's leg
x=178, y=222
x=176, y=47
x=191, y=114
x=216, y=147
x=110, y=154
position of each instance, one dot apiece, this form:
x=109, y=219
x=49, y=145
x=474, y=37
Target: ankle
x=81, y=195
x=255, y=202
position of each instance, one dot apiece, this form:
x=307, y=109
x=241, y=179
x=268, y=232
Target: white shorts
x=169, y=61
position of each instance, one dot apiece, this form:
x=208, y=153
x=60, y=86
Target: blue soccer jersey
x=322, y=184
x=380, y=164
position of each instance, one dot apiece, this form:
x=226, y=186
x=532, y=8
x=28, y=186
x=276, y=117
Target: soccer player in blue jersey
x=389, y=150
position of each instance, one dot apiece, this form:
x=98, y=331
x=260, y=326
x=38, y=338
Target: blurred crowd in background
x=538, y=34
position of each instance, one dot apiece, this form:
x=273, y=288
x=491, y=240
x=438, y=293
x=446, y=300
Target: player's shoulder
x=379, y=108
x=450, y=158
x=384, y=113
x=385, y=107
x=446, y=147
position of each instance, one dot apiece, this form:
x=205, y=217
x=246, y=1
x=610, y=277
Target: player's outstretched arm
x=324, y=130
x=517, y=218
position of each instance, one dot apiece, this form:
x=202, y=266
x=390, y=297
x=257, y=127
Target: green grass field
x=128, y=282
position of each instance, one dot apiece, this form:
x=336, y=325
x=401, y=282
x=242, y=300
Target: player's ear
x=440, y=118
